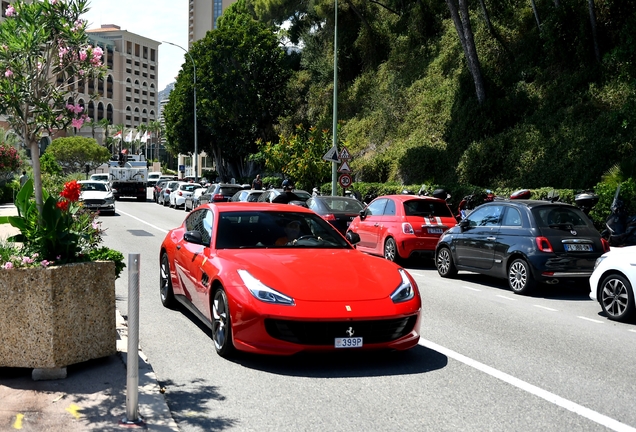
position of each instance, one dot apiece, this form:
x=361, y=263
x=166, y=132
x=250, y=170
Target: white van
x=153, y=177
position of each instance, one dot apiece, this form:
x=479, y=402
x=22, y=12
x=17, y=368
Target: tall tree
x=44, y=48
x=74, y=153
x=461, y=19
x=241, y=80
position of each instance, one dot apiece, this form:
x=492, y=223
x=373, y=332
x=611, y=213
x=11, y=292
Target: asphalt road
x=488, y=359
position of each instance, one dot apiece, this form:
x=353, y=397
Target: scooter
x=621, y=228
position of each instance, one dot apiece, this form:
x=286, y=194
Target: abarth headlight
x=405, y=291
x=262, y=292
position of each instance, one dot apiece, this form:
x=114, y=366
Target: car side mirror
x=352, y=237
x=464, y=223
x=363, y=214
x=193, y=237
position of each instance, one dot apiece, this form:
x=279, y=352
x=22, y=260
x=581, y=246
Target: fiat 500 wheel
x=617, y=298
x=520, y=277
x=444, y=263
x=165, y=283
x=390, y=250
x=221, y=324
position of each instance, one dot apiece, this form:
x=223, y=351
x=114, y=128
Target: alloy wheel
x=615, y=298
x=221, y=328
x=390, y=250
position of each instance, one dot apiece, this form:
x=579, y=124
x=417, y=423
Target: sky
x=159, y=20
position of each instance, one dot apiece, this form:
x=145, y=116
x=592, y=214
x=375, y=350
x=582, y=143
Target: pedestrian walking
x=23, y=178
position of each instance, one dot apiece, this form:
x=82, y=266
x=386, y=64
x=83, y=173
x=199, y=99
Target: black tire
x=163, y=201
x=165, y=283
x=221, y=324
x=520, y=278
x=616, y=297
x=390, y=250
x=444, y=263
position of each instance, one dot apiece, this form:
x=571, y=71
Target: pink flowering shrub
x=9, y=159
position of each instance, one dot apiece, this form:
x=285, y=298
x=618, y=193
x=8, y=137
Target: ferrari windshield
x=265, y=229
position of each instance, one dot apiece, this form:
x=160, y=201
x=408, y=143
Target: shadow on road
x=347, y=364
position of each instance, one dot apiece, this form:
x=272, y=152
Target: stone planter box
x=57, y=316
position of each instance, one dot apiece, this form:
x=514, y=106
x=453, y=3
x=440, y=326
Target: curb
x=152, y=405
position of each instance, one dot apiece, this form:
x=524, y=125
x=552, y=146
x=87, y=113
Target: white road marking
x=590, y=319
x=507, y=298
x=589, y=414
x=143, y=221
x=546, y=308
x=470, y=288
x=633, y=331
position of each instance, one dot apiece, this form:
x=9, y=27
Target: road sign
x=345, y=180
x=344, y=154
x=344, y=168
x=332, y=155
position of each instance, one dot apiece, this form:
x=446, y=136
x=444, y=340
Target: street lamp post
x=196, y=152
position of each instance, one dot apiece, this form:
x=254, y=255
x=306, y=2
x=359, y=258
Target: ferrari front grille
x=324, y=332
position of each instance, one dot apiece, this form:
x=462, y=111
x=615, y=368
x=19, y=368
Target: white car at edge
x=613, y=283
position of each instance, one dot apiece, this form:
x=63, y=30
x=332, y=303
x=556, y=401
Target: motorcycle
x=621, y=228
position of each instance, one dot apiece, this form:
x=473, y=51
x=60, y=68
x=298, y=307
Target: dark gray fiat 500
x=524, y=241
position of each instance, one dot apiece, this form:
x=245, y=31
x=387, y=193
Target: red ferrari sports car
x=278, y=279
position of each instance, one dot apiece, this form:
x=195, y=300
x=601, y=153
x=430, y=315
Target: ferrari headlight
x=405, y=291
x=262, y=291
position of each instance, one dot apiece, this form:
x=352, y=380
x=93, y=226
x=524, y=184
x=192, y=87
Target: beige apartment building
x=128, y=93
x=202, y=17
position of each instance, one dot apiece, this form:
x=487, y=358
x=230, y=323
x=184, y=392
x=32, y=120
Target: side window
x=311, y=203
x=389, y=210
x=488, y=215
x=376, y=208
x=201, y=221
x=512, y=217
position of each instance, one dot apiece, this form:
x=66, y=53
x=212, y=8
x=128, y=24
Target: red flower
x=63, y=205
x=71, y=191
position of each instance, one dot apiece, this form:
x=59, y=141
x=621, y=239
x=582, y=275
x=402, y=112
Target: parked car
x=179, y=194
x=97, y=195
x=247, y=195
x=228, y=265
x=269, y=195
x=164, y=198
x=219, y=192
x=399, y=226
x=523, y=241
x=190, y=200
x=337, y=210
x=156, y=190
x=153, y=177
x=104, y=177
x=613, y=283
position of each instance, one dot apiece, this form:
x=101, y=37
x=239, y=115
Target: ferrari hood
x=318, y=274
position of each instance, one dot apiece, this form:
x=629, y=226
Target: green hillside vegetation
x=553, y=114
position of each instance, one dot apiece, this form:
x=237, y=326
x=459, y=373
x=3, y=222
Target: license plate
x=575, y=247
x=348, y=342
x=435, y=230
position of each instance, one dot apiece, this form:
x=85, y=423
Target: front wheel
x=617, y=298
x=520, y=278
x=444, y=263
x=165, y=283
x=390, y=250
x=221, y=324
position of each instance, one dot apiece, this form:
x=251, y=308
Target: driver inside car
x=292, y=232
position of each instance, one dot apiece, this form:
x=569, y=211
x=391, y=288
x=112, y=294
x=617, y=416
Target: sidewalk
x=91, y=398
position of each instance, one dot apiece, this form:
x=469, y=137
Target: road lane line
x=507, y=298
x=590, y=319
x=470, y=288
x=546, y=308
x=143, y=221
x=589, y=414
x=633, y=331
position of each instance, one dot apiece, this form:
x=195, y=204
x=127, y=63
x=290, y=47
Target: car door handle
x=178, y=247
x=491, y=238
